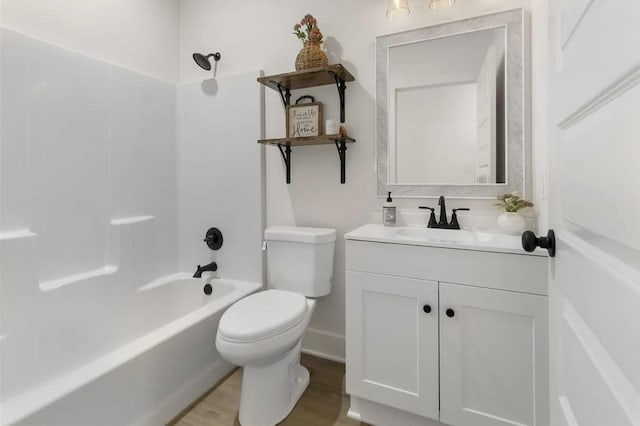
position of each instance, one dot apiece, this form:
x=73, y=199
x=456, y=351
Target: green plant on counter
x=513, y=202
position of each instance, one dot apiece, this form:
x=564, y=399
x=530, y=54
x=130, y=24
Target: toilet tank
x=300, y=259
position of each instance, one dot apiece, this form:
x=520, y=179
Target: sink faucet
x=442, y=223
x=443, y=213
x=211, y=267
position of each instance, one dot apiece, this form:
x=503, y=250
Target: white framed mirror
x=451, y=109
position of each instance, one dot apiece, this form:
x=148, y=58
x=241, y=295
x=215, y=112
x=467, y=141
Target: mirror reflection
x=446, y=109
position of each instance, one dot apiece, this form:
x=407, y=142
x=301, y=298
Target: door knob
x=450, y=313
x=530, y=242
x=426, y=309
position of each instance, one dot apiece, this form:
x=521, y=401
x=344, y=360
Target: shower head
x=203, y=61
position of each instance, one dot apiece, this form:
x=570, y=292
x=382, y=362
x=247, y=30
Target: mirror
x=450, y=116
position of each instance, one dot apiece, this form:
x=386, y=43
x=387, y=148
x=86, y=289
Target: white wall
x=254, y=34
x=141, y=35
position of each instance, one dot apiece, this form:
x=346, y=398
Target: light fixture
x=440, y=4
x=397, y=8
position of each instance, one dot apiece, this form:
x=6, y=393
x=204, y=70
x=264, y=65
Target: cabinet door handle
x=450, y=313
x=426, y=309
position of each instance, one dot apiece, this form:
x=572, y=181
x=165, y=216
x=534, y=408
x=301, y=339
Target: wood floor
x=324, y=403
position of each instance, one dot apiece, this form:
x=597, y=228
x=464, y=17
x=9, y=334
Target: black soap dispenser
x=389, y=212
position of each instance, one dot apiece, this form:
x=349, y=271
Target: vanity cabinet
x=393, y=325
x=445, y=336
x=492, y=350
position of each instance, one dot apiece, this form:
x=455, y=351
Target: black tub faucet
x=211, y=267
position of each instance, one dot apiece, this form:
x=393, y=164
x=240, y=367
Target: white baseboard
x=324, y=344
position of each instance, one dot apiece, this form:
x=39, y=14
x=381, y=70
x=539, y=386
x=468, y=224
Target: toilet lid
x=262, y=315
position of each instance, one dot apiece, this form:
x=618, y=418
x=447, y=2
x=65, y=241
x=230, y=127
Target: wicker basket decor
x=311, y=56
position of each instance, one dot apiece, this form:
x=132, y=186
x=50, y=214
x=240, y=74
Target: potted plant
x=311, y=55
x=510, y=220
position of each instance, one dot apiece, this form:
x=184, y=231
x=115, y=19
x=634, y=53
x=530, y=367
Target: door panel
x=392, y=344
x=594, y=97
x=493, y=357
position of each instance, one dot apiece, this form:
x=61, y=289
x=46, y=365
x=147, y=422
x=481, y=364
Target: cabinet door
x=493, y=357
x=392, y=343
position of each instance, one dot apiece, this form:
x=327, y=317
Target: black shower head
x=203, y=61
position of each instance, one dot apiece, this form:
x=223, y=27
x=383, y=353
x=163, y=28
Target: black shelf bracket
x=342, y=153
x=285, y=93
x=342, y=87
x=286, y=156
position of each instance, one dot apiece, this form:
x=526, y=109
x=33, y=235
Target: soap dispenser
x=389, y=212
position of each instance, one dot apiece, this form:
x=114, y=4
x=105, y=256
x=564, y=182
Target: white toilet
x=263, y=332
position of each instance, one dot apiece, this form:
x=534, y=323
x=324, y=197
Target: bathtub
x=134, y=360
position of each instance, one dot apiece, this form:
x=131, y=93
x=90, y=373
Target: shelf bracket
x=342, y=87
x=285, y=93
x=342, y=153
x=286, y=156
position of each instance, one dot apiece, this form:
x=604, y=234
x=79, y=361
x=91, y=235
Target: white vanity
x=445, y=327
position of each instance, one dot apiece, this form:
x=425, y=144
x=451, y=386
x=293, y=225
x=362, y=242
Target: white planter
x=512, y=223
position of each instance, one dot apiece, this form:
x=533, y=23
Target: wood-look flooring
x=324, y=403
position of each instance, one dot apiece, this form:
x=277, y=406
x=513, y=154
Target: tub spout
x=210, y=267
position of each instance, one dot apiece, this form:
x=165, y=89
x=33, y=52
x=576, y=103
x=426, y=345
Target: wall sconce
x=397, y=8
x=439, y=4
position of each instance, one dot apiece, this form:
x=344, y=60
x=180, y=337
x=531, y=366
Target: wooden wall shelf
x=311, y=140
x=313, y=77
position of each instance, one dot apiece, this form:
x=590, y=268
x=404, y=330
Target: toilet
x=263, y=332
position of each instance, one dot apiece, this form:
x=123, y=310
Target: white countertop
x=445, y=238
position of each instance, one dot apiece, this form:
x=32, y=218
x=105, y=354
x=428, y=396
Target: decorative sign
x=304, y=120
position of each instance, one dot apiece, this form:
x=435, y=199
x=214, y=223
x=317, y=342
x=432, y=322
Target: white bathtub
x=136, y=360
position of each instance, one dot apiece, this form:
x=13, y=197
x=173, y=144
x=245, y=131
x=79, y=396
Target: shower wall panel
x=84, y=142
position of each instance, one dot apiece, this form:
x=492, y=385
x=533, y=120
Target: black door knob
x=530, y=242
x=426, y=309
x=450, y=313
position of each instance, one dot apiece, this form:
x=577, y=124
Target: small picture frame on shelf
x=304, y=120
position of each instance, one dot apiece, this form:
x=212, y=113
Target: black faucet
x=212, y=267
x=443, y=213
x=442, y=223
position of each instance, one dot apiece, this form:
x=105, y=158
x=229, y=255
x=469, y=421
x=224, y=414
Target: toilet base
x=270, y=391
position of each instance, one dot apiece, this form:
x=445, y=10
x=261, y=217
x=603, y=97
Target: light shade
x=397, y=8
x=440, y=4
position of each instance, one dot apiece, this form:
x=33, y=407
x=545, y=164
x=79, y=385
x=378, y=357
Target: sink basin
x=463, y=239
x=451, y=236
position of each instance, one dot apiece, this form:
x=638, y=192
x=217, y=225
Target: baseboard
x=324, y=344
x=182, y=397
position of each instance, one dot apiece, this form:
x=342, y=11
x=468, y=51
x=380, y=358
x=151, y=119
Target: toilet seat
x=262, y=316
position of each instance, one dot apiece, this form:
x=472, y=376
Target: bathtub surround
x=140, y=35
x=93, y=234
x=98, y=123
x=220, y=174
